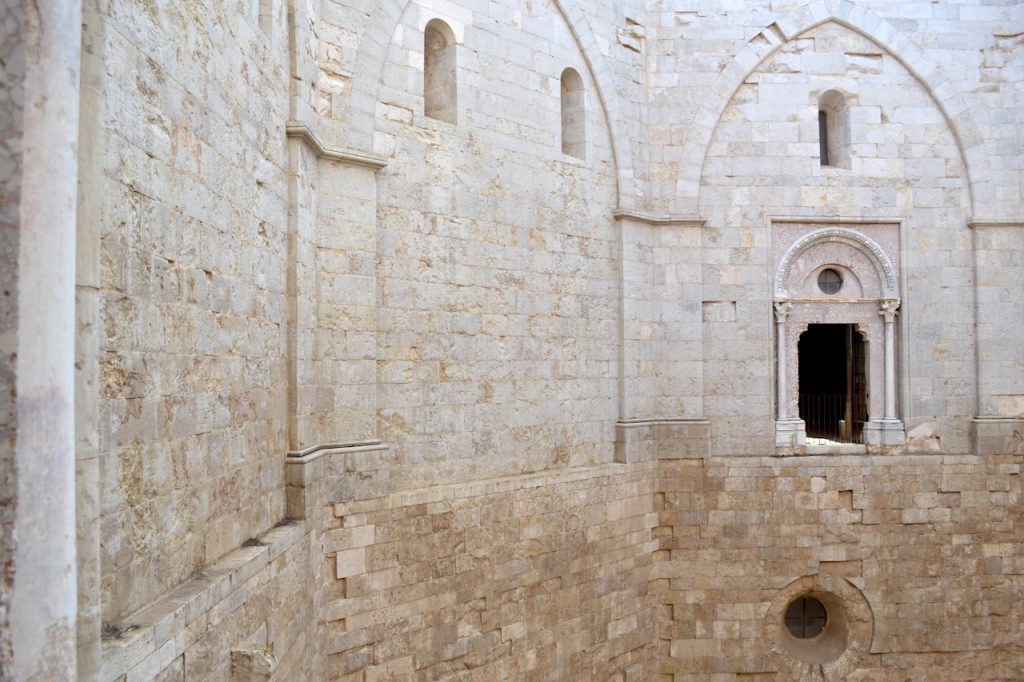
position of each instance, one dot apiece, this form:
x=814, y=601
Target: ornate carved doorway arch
x=829, y=281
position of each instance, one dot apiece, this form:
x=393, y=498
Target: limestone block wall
x=340, y=384
x=544, y=576
x=932, y=544
x=191, y=290
x=253, y=615
x=662, y=333
x=763, y=163
x=999, y=258
x=961, y=51
x=482, y=308
x=352, y=40
x=497, y=256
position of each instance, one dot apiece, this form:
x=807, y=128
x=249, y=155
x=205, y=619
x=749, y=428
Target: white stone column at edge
x=789, y=431
x=43, y=603
x=781, y=313
x=888, y=313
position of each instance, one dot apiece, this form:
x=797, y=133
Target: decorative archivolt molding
x=302, y=131
x=884, y=268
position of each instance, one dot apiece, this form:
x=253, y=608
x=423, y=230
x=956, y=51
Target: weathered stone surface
x=372, y=374
x=544, y=576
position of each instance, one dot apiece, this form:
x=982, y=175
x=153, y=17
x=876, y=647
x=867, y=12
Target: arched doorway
x=836, y=299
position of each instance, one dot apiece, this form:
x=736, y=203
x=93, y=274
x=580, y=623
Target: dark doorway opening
x=833, y=383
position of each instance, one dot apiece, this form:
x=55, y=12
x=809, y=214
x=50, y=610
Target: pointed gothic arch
x=373, y=52
x=929, y=73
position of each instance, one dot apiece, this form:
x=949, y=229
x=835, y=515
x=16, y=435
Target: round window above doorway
x=830, y=281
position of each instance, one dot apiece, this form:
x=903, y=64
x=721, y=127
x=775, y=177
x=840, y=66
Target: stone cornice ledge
x=652, y=219
x=633, y=423
x=976, y=223
x=996, y=418
x=317, y=451
x=302, y=131
x=152, y=638
x=480, y=488
x=836, y=220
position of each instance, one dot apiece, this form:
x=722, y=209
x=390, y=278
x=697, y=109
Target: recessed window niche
x=440, y=86
x=834, y=130
x=574, y=114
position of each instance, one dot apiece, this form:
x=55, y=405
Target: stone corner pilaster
x=642, y=440
x=325, y=474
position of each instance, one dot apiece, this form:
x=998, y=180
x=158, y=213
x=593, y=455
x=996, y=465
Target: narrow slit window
x=834, y=130
x=440, y=88
x=574, y=114
x=823, y=137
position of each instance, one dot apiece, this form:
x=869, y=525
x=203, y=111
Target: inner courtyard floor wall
x=932, y=543
x=663, y=570
x=536, y=577
x=250, y=616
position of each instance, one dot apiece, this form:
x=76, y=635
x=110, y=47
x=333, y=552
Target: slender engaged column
x=43, y=598
x=781, y=312
x=888, y=313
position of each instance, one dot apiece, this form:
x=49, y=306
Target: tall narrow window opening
x=440, y=88
x=823, y=137
x=574, y=114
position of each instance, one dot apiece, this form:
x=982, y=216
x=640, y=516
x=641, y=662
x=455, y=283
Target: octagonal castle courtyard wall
x=380, y=374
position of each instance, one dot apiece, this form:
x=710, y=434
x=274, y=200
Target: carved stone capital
x=888, y=309
x=782, y=309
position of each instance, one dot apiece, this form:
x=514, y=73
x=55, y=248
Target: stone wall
x=291, y=257
x=959, y=50
x=544, y=576
x=192, y=291
x=763, y=166
x=999, y=263
x=251, y=616
x=497, y=281
x=924, y=550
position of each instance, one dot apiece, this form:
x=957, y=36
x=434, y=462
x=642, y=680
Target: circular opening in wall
x=813, y=627
x=830, y=281
x=819, y=620
x=806, y=617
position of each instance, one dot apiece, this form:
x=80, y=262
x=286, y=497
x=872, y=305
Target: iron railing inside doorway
x=828, y=418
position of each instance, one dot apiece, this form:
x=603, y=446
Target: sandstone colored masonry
x=478, y=340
